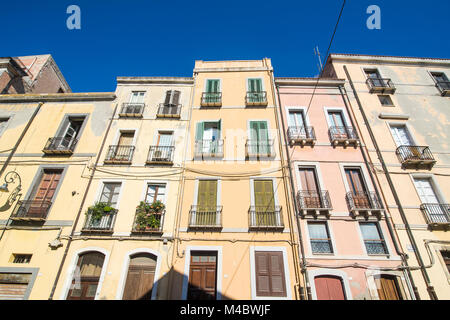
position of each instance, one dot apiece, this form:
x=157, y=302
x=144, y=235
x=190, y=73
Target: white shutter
x=425, y=190
x=401, y=136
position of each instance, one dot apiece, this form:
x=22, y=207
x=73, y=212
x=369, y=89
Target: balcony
x=415, y=156
x=436, y=214
x=205, y=218
x=444, y=88
x=208, y=149
x=118, y=154
x=172, y=111
x=211, y=99
x=132, y=110
x=155, y=228
x=314, y=202
x=103, y=225
x=364, y=204
x=31, y=210
x=160, y=155
x=380, y=85
x=302, y=135
x=265, y=218
x=60, y=145
x=256, y=149
x=256, y=98
x=343, y=135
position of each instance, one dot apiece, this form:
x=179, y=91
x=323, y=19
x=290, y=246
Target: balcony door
x=336, y=119
x=164, y=144
x=259, y=135
x=425, y=190
x=297, y=122
x=202, y=276
x=357, y=187
x=68, y=133
x=137, y=97
x=401, y=136
x=387, y=287
x=208, y=136
x=123, y=148
x=309, y=186
x=206, y=211
x=376, y=78
x=109, y=195
x=171, y=102
x=140, y=277
x=44, y=192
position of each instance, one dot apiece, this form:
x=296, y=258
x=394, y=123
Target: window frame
x=330, y=238
x=382, y=238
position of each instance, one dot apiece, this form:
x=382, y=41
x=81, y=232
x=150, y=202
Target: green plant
x=148, y=215
x=98, y=210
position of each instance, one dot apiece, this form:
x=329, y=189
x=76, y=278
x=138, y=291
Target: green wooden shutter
x=212, y=86
x=206, y=202
x=264, y=203
x=254, y=85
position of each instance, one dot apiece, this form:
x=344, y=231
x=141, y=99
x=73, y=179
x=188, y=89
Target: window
x=320, y=237
x=373, y=240
x=259, y=143
x=255, y=85
x=297, y=118
x=375, y=77
x=212, y=85
x=401, y=136
x=446, y=256
x=207, y=196
x=385, y=101
x=171, y=103
x=207, y=137
x=435, y=211
x=440, y=77
x=21, y=258
x=137, y=97
x=123, y=151
x=3, y=123
x=358, y=190
x=68, y=134
x=425, y=190
x=13, y=286
x=269, y=274
x=155, y=192
x=87, y=276
x=110, y=193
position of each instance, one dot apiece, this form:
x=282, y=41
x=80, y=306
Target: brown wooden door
x=329, y=288
x=309, y=188
x=203, y=276
x=388, y=288
x=45, y=192
x=85, y=282
x=270, y=278
x=140, y=278
x=357, y=187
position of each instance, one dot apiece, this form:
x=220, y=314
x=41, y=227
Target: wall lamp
x=11, y=177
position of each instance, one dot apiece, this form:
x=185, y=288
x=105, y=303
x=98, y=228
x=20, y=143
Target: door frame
x=187, y=264
x=312, y=274
x=126, y=265
x=371, y=284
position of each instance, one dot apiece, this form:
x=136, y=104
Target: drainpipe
x=430, y=288
x=388, y=222
x=81, y=207
x=302, y=249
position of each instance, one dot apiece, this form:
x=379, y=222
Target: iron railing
x=160, y=154
x=211, y=99
x=313, y=199
x=414, y=154
x=342, y=133
x=265, y=217
x=104, y=224
x=259, y=149
x=60, y=145
x=205, y=217
x=436, y=213
x=321, y=246
x=444, y=87
x=209, y=148
x=363, y=200
x=301, y=133
x=130, y=109
x=256, y=98
x=147, y=229
x=383, y=85
x=166, y=110
x=31, y=209
x=375, y=246
x=119, y=153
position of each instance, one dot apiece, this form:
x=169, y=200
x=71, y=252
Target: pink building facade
x=348, y=246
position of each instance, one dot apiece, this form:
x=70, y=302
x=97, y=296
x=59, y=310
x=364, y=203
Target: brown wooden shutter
x=357, y=186
x=140, y=278
x=387, y=288
x=270, y=277
x=329, y=288
x=309, y=183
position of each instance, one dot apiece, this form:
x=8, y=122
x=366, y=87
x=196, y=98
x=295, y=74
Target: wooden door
x=45, y=192
x=269, y=274
x=329, y=288
x=357, y=187
x=140, y=278
x=310, y=188
x=202, y=276
x=387, y=288
x=85, y=281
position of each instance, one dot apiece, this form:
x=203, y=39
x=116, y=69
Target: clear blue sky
x=163, y=38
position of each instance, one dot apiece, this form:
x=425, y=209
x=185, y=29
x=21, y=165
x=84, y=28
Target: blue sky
x=164, y=38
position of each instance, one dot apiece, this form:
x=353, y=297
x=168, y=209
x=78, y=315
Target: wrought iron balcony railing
x=313, y=200
x=31, y=210
x=104, y=224
x=259, y=149
x=301, y=134
x=211, y=99
x=345, y=135
x=321, y=246
x=375, y=246
x=60, y=145
x=256, y=98
x=209, y=148
x=160, y=155
x=436, y=213
x=444, y=88
x=265, y=218
x=201, y=217
x=158, y=228
x=119, y=154
x=363, y=202
x=380, y=85
x=130, y=109
x=168, y=110
x=415, y=155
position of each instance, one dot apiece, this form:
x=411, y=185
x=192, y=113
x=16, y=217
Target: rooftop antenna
x=317, y=53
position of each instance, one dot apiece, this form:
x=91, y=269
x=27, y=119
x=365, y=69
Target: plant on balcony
x=98, y=210
x=147, y=215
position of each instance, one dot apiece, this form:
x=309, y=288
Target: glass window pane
x=92, y=288
x=370, y=231
x=317, y=231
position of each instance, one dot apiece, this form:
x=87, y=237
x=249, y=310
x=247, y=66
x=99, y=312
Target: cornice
x=58, y=97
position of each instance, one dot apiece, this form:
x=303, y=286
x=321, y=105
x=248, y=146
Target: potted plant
x=98, y=210
x=148, y=215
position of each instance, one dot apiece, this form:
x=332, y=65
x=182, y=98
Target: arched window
x=86, y=276
x=140, y=278
x=329, y=288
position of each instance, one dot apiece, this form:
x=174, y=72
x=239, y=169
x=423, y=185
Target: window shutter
x=262, y=274
x=270, y=278
x=199, y=131
x=207, y=194
x=175, y=97
x=168, y=95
